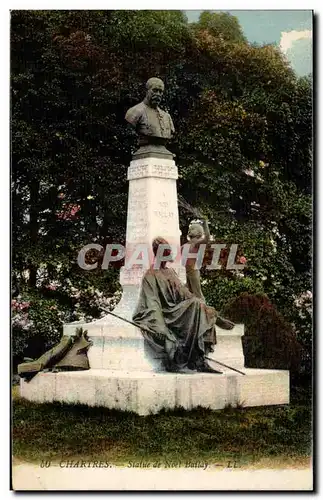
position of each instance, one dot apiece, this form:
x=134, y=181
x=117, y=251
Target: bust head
x=153, y=125
x=155, y=90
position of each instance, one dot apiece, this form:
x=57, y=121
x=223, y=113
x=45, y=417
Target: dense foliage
x=243, y=147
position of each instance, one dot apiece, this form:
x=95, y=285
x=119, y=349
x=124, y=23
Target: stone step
x=145, y=392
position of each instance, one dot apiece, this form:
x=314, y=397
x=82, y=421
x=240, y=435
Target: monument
x=125, y=372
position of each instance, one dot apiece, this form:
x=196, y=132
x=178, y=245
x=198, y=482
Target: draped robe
x=173, y=320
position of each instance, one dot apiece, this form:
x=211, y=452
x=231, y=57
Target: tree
x=221, y=25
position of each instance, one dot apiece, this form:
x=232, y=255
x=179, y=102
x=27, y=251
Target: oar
x=149, y=331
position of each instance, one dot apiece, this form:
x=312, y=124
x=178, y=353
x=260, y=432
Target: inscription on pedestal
x=165, y=171
x=132, y=276
x=164, y=214
x=139, y=171
x=138, y=232
x=137, y=222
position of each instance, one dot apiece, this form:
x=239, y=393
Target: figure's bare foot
x=226, y=324
x=179, y=369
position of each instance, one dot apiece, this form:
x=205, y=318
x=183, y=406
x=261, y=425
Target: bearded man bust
x=153, y=125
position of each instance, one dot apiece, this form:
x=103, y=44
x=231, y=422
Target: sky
x=290, y=29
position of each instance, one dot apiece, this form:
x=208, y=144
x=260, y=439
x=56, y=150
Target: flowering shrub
x=91, y=303
x=302, y=322
x=68, y=212
x=304, y=301
x=18, y=305
x=36, y=325
x=38, y=316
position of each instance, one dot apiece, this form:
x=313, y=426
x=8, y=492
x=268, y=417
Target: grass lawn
x=277, y=436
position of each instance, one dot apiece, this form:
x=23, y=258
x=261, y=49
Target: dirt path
x=33, y=477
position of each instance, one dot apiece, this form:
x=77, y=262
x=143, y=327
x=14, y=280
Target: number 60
x=45, y=463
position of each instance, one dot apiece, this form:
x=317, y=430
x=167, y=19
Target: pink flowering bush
x=51, y=287
x=17, y=305
x=38, y=316
x=69, y=211
x=34, y=321
x=303, y=318
x=92, y=303
x=22, y=325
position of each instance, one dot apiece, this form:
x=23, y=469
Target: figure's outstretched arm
x=206, y=228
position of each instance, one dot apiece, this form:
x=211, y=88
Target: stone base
x=145, y=393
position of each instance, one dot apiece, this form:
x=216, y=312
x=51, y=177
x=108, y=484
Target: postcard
x=161, y=167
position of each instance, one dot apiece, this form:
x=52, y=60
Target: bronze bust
x=153, y=125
